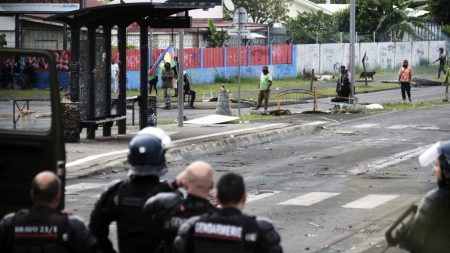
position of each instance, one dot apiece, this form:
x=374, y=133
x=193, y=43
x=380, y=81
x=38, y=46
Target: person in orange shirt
x=404, y=78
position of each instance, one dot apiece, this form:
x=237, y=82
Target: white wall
x=7, y=23
x=384, y=55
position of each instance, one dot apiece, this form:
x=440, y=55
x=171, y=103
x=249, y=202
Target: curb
x=118, y=162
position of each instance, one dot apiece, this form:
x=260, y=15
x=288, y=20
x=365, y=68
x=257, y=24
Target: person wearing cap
x=429, y=230
x=404, y=78
x=442, y=59
x=123, y=200
x=265, y=82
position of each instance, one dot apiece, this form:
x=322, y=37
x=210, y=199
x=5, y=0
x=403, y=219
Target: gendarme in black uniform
x=44, y=230
x=123, y=200
x=171, y=211
x=429, y=231
x=228, y=230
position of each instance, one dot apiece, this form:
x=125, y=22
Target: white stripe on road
x=309, y=198
x=228, y=132
x=82, y=187
x=399, y=126
x=260, y=195
x=421, y=127
x=390, y=160
x=370, y=201
x=365, y=126
x=94, y=157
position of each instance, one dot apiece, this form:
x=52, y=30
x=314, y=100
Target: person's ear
x=244, y=197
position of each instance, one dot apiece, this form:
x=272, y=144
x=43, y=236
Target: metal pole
x=352, y=48
x=17, y=30
x=180, y=78
x=239, y=67
x=65, y=36
x=143, y=106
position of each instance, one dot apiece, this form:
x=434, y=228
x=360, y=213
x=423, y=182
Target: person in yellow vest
x=264, y=88
x=404, y=78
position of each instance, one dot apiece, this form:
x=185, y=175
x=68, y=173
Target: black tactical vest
x=217, y=233
x=189, y=207
x=135, y=232
x=43, y=231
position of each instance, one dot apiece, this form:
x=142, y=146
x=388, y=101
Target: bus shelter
x=90, y=68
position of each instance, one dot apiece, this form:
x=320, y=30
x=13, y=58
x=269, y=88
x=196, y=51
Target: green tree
x=215, y=38
x=2, y=40
x=385, y=18
x=440, y=10
x=313, y=27
x=265, y=11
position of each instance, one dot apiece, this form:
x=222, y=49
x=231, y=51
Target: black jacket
x=43, y=229
x=430, y=229
x=122, y=202
x=171, y=210
x=227, y=231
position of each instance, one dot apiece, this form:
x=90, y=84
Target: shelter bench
x=129, y=105
x=92, y=125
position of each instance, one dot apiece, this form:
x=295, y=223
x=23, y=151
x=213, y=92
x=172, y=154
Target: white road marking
x=370, y=201
x=253, y=197
x=399, y=126
x=427, y=127
x=421, y=127
x=390, y=160
x=226, y=133
x=82, y=187
x=365, y=126
x=315, y=123
x=309, y=198
x=94, y=157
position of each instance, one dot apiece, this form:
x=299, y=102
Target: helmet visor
x=430, y=155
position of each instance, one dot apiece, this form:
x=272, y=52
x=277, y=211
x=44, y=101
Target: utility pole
x=352, y=49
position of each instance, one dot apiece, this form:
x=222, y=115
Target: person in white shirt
x=114, y=75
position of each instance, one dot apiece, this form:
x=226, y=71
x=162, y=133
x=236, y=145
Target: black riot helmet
x=147, y=155
x=441, y=151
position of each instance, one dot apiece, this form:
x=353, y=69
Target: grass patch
x=25, y=93
x=410, y=106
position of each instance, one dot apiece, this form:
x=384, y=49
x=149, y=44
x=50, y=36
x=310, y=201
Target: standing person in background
x=167, y=76
x=17, y=70
x=442, y=59
x=114, y=75
x=152, y=81
x=265, y=82
x=405, y=77
x=175, y=78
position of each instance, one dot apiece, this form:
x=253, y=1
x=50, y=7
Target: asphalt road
x=333, y=191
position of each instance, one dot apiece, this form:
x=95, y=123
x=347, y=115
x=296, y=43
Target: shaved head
x=45, y=188
x=199, y=176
